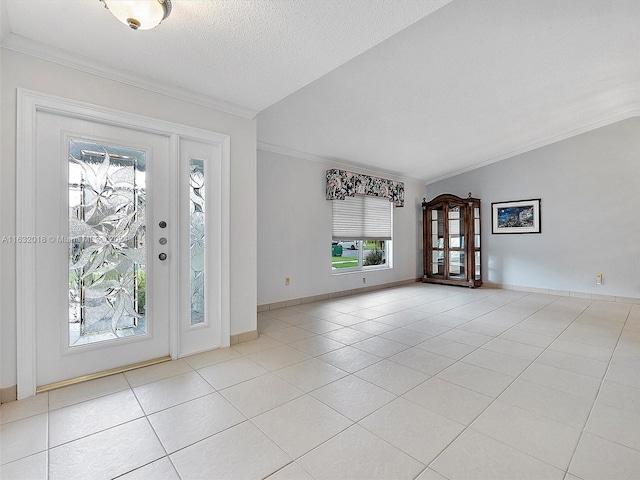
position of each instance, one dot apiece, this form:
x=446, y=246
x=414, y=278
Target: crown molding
x=42, y=51
x=628, y=111
x=333, y=163
x=624, y=113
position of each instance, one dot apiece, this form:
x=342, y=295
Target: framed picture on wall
x=520, y=216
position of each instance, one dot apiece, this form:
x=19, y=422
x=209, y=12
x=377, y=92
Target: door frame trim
x=29, y=104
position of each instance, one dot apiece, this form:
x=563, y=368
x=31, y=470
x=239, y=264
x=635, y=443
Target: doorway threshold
x=105, y=373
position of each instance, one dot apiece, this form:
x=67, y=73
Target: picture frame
x=519, y=216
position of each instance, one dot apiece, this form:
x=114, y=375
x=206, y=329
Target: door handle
x=162, y=256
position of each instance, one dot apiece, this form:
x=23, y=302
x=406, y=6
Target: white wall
x=590, y=191
x=24, y=71
x=4, y=30
x=294, y=232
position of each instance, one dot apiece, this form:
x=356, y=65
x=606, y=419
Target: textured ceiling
x=251, y=53
x=418, y=88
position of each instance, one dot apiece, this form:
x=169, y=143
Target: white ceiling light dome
x=139, y=14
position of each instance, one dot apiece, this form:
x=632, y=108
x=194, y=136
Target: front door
x=123, y=224
x=103, y=230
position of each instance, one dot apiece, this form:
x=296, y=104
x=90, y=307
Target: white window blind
x=362, y=218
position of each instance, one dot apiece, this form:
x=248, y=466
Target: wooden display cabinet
x=451, y=241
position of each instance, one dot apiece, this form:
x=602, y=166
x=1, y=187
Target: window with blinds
x=362, y=233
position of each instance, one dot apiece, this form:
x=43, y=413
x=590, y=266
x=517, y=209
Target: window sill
x=344, y=271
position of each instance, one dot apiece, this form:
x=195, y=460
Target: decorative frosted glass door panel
x=102, y=292
x=197, y=246
x=200, y=274
x=107, y=254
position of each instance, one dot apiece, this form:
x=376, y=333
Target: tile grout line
x=146, y=417
x=305, y=393
x=295, y=460
x=432, y=336
x=309, y=393
x=167, y=455
x=383, y=358
x=431, y=376
x=399, y=396
x=371, y=413
x=514, y=380
x=427, y=466
x=593, y=405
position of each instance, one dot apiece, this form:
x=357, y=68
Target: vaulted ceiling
x=417, y=88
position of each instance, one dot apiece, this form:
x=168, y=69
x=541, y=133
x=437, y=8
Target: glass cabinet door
x=476, y=246
x=437, y=241
x=456, y=264
x=456, y=227
x=456, y=235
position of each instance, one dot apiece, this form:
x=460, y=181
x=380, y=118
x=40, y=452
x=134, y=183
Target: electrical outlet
x=598, y=279
x=287, y=281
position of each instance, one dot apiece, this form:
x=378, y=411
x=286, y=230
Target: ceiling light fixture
x=139, y=14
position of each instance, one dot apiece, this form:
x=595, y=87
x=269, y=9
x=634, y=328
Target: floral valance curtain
x=341, y=184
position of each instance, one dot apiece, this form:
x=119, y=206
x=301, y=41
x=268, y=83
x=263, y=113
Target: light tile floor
x=422, y=381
